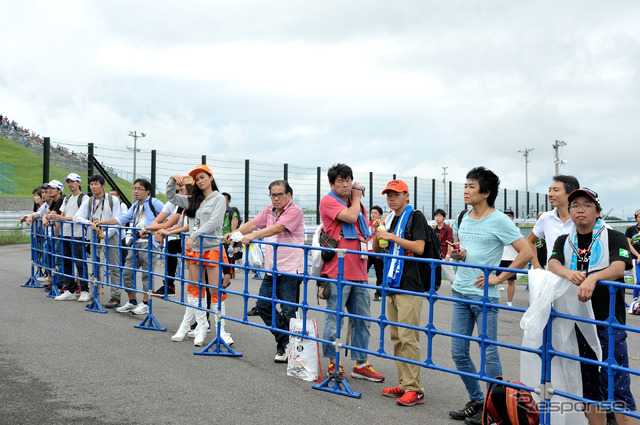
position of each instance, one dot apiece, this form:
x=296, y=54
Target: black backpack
x=432, y=249
x=235, y=210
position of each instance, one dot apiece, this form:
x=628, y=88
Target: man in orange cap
x=406, y=231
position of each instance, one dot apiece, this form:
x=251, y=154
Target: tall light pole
x=526, y=168
x=557, y=161
x=444, y=186
x=135, y=149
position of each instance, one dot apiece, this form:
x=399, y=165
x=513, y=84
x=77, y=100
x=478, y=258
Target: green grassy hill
x=21, y=172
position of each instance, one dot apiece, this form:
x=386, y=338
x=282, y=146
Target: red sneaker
x=394, y=392
x=366, y=372
x=332, y=368
x=410, y=398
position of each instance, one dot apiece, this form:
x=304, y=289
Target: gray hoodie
x=209, y=217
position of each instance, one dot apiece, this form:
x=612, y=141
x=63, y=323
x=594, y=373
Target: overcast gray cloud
x=405, y=86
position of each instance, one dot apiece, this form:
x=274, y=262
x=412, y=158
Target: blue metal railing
x=43, y=256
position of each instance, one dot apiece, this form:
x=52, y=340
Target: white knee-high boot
x=181, y=335
x=200, y=332
x=226, y=336
x=189, y=313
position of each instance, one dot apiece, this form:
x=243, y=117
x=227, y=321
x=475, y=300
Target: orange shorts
x=212, y=255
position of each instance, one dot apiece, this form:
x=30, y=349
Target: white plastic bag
x=256, y=256
x=304, y=354
x=316, y=255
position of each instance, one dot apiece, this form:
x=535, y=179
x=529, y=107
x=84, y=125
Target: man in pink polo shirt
x=281, y=222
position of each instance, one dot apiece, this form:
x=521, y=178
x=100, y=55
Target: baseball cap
x=508, y=211
x=199, y=168
x=54, y=184
x=636, y=214
x=396, y=186
x=584, y=191
x=73, y=177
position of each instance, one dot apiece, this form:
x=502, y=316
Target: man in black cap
x=589, y=253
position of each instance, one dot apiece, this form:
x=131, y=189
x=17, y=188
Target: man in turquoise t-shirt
x=482, y=235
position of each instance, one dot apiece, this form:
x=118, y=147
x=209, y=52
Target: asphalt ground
x=60, y=364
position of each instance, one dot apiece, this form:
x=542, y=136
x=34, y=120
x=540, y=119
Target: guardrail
x=44, y=256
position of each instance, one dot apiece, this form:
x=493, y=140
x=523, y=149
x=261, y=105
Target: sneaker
x=66, y=296
x=477, y=419
x=411, y=398
x=141, y=308
x=509, y=303
x=281, y=357
x=366, y=372
x=160, y=292
x=394, y=392
x=332, y=369
x=112, y=303
x=126, y=308
x=84, y=297
x=470, y=409
x=376, y=297
x=253, y=312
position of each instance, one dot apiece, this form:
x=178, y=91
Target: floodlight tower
x=558, y=162
x=135, y=149
x=526, y=167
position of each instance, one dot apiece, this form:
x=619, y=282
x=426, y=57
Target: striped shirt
x=290, y=260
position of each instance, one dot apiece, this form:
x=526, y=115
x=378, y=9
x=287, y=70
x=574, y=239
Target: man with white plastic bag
x=281, y=222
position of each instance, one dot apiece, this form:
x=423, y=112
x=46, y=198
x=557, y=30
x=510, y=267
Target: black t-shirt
x=414, y=273
x=55, y=207
x=633, y=233
x=600, y=297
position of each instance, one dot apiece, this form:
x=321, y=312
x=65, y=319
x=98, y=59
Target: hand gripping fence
x=47, y=256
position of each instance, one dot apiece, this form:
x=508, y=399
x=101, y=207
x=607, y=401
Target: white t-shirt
x=69, y=208
x=549, y=226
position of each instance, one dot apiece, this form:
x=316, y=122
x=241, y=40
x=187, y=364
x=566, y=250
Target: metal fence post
x=153, y=173
x=46, y=158
x=89, y=165
x=246, y=190
x=319, y=175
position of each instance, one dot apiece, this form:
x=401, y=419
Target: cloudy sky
x=405, y=86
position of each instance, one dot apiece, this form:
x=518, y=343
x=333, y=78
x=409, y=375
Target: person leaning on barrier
x=204, y=210
x=589, y=253
x=141, y=214
x=167, y=218
x=40, y=207
x=482, y=235
x=556, y=222
x=102, y=206
x=73, y=246
x=343, y=218
x=405, y=240
x=281, y=222
x=633, y=237
x=378, y=264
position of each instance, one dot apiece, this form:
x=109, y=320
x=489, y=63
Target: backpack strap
x=512, y=396
x=488, y=404
x=80, y=197
x=151, y=207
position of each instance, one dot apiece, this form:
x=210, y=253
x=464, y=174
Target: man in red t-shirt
x=343, y=218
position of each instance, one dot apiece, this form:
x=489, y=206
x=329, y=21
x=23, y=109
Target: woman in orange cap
x=204, y=212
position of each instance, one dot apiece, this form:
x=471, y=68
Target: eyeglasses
x=583, y=206
x=276, y=195
x=138, y=189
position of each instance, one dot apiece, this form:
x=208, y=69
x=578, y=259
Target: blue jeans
x=463, y=319
x=286, y=290
x=355, y=300
x=74, y=248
